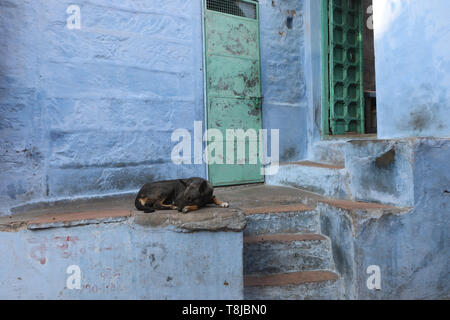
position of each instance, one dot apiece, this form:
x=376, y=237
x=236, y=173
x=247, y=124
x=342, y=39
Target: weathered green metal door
x=346, y=67
x=233, y=88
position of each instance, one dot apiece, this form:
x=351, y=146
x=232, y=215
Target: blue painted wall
x=412, y=49
x=91, y=111
x=121, y=261
x=284, y=84
x=411, y=248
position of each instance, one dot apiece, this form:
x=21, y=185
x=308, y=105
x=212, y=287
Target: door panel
x=221, y=109
x=346, y=66
x=229, y=36
x=232, y=77
x=233, y=84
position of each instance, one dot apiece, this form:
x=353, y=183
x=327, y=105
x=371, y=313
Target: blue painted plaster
x=121, y=261
x=313, y=71
x=388, y=184
x=411, y=248
x=283, y=78
x=91, y=111
x=412, y=53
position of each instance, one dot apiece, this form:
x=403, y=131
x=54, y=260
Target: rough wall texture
x=412, y=53
x=283, y=79
x=121, y=261
x=410, y=247
x=313, y=71
x=381, y=171
x=91, y=111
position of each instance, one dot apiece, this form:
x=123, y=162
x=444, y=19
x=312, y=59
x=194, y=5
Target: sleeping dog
x=184, y=195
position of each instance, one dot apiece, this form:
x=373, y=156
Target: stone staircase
x=285, y=256
x=322, y=255
x=299, y=244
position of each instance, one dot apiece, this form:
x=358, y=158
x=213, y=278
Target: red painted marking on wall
x=109, y=276
x=63, y=244
x=67, y=239
x=38, y=253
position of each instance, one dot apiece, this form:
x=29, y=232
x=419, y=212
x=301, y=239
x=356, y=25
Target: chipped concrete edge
x=360, y=217
x=76, y=223
x=232, y=221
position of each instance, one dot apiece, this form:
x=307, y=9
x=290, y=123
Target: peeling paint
x=121, y=261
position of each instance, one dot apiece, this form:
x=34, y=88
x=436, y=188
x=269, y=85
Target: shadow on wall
x=413, y=68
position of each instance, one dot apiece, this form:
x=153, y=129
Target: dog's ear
x=203, y=187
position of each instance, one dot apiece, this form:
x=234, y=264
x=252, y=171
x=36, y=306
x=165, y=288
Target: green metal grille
x=234, y=7
x=345, y=54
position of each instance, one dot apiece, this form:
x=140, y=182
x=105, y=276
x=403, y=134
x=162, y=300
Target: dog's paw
x=225, y=205
x=185, y=210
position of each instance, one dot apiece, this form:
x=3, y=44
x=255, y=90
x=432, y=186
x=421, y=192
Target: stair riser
x=325, y=181
x=329, y=152
x=283, y=257
x=327, y=290
x=291, y=222
x=381, y=171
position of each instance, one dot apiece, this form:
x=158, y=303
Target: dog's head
x=197, y=192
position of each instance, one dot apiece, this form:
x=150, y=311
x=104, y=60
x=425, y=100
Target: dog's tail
x=141, y=207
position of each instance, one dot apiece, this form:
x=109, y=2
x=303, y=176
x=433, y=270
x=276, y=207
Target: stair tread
x=314, y=164
x=277, y=209
x=284, y=238
x=352, y=205
x=292, y=278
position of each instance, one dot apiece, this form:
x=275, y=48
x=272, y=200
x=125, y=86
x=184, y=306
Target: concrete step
x=282, y=253
x=381, y=171
x=329, y=180
x=263, y=195
x=123, y=254
x=377, y=170
x=355, y=230
x=329, y=151
x=305, y=285
x=356, y=214
x=281, y=219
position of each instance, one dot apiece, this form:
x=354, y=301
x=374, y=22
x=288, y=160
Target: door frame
x=205, y=74
x=325, y=130
x=325, y=69
x=205, y=98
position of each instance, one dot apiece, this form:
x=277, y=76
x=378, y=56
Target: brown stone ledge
x=206, y=219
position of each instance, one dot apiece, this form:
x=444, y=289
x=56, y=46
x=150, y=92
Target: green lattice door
x=233, y=88
x=346, y=103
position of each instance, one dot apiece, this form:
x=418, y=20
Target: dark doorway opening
x=370, y=98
